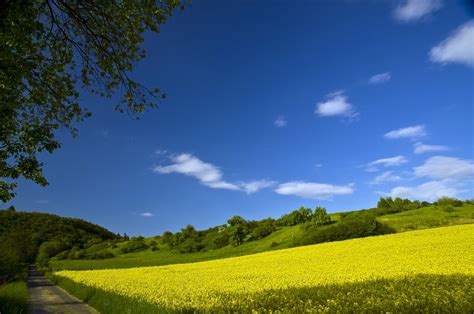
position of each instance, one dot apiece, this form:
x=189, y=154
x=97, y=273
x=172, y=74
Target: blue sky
x=274, y=105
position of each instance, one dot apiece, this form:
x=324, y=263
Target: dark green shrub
x=264, y=228
x=101, y=255
x=134, y=245
x=448, y=201
x=356, y=225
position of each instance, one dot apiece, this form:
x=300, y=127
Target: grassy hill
x=285, y=237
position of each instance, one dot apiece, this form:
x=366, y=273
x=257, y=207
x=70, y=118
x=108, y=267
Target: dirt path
x=45, y=297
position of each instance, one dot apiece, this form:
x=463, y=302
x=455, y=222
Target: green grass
x=416, y=294
x=423, y=218
x=13, y=298
x=429, y=217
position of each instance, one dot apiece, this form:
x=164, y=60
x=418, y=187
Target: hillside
x=284, y=237
x=376, y=274
x=26, y=236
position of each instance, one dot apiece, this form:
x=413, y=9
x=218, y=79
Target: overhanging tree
x=49, y=50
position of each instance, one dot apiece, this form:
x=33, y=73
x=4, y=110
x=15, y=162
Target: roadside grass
x=14, y=298
x=422, y=218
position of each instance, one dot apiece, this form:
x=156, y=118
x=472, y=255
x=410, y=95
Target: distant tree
x=383, y=204
x=264, y=228
x=52, y=49
x=320, y=216
x=189, y=232
x=237, y=230
x=166, y=237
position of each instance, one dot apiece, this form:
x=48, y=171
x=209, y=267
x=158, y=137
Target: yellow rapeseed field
x=231, y=282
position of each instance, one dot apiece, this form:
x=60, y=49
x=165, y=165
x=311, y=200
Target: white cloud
x=318, y=165
x=386, y=162
x=222, y=185
x=336, y=104
x=415, y=131
x=147, y=214
x=313, y=190
x=189, y=165
x=441, y=167
x=427, y=191
x=385, y=177
x=209, y=175
x=280, y=122
x=457, y=48
x=255, y=186
x=421, y=148
x=412, y=10
x=380, y=78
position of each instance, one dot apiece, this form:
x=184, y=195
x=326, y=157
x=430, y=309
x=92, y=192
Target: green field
x=422, y=218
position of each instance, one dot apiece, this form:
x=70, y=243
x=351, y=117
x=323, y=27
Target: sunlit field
x=420, y=270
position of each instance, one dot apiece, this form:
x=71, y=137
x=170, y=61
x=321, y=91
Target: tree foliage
x=320, y=217
x=49, y=50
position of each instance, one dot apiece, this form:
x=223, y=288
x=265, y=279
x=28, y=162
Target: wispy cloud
x=411, y=132
x=450, y=177
x=457, y=48
x=385, y=177
x=380, y=78
x=147, y=214
x=313, y=190
x=280, y=122
x=255, y=186
x=209, y=174
x=336, y=104
x=412, y=10
x=385, y=162
x=161, y=152
x=442, y=167
x=427, y=191
x=206, y=173
x=421, y=148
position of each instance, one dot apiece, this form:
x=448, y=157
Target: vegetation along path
x=45, y=297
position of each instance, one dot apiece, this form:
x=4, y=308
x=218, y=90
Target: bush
x=448, y=201
x=387, y=206
x=264, y=228
x=134, y=245
x=356, y=225
x=101, y=255
x=320, y=217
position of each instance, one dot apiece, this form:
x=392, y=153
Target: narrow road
x=45, y=297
